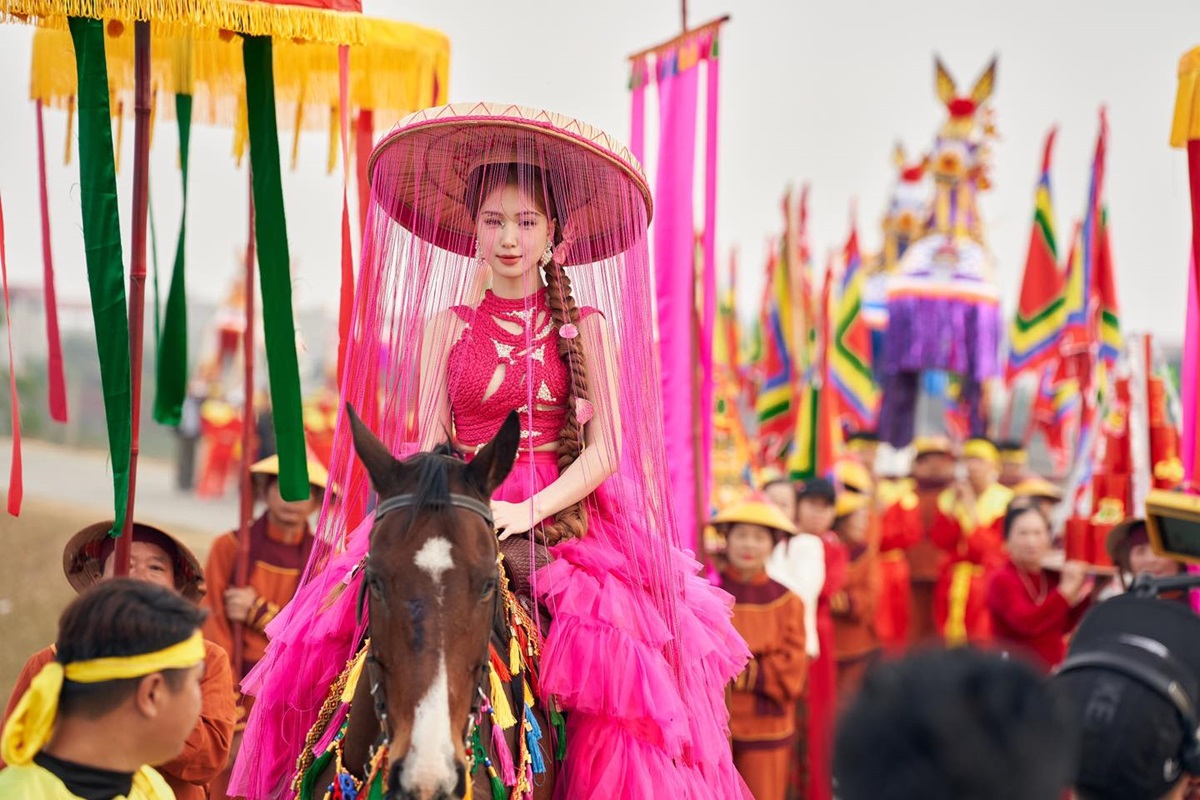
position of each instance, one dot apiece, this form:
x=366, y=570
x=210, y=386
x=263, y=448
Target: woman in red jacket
x=1032, y=608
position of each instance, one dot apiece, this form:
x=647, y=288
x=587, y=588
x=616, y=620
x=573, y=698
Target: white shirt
x=799, y=564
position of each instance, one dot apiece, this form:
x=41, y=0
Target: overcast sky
x=814, y=92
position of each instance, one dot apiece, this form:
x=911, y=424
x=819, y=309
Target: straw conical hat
x=755, y=510
x=86, y=551
x=419, y=175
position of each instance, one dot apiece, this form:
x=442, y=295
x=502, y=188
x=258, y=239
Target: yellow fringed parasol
x=234, y=59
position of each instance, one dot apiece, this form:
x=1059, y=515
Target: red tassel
x=499, y=666
x=16, y=487
x=54, y=361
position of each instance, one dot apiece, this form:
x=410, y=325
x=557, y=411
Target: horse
x=439, y=612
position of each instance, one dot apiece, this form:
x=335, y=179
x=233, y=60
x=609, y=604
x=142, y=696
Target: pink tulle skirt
x=636, y=728
x=637, y=725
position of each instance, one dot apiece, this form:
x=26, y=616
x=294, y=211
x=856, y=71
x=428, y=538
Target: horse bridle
x=398, y=503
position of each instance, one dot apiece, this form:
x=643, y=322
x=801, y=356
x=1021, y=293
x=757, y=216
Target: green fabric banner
x=102, y=248
x=172, y=366
x=274, y=270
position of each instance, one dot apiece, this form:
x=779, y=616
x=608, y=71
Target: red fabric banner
x=54, y=358
x=16, y=488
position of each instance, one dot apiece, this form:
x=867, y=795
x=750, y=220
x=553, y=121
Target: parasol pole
x=241, y=573
x=137, y=271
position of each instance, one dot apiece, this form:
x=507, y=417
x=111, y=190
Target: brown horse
x=431, y=586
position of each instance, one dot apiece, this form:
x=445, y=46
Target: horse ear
x=372, y=453
x=495, y=460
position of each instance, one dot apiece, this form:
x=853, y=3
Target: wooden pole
x=137, y=273
x=674, y=40
x=241, y=574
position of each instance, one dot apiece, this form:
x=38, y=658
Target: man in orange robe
x=156, y=557
x=280, y=542
x=909, y=560
x=968, y=529
x=856, y=644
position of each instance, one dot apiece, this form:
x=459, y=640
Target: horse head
x=430, y=586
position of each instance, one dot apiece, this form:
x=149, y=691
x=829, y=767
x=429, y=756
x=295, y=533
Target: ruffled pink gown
x=635, y=728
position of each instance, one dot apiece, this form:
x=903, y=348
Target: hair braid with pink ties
x=571, y=522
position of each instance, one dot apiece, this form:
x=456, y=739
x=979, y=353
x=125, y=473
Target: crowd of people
x=894, y=604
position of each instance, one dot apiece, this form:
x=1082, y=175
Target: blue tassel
x=533, y=737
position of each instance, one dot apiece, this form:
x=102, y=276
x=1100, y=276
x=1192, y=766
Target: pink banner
x=708, y=320
x=674, y=265
x=1188, y=378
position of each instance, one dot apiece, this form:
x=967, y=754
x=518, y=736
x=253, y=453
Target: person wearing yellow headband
x=763, y=698
x=968, y=529
x=158, y=558
x=123, y=692
x=855, y=642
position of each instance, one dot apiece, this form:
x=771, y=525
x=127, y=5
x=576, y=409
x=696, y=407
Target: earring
x=479, y=254
x=546, y=256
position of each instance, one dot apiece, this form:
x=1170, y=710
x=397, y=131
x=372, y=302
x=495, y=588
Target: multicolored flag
x=850, y=354
x=1041, y=311
x=773, y=405
x=818, y=442
x=1097, y=256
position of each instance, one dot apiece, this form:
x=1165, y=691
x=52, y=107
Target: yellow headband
x=32, y=721
x=981, y=448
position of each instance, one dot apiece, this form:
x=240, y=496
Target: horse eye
x=489, y=589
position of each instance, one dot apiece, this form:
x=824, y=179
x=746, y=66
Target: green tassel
x=560, y=729
x=499, y=792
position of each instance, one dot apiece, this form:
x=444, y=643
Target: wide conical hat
x=419, y=175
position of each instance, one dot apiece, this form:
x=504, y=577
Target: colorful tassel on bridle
x=533, y=738
x=502, y=713
x=504, y=757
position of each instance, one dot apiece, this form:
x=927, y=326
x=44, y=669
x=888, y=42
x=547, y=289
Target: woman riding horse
x=639, y=648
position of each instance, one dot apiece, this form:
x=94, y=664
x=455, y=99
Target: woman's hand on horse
x=511, y=519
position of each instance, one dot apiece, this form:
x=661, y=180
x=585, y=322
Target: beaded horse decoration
x=942, y=303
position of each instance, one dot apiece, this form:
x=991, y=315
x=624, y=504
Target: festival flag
x=850, y=355
x=1054, y=408
x=1097, y=256
x=773, y=405
x=818, y=442
x=1041, y=310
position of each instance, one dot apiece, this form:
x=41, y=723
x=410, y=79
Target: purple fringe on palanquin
x=935, y=333
x=925, y=333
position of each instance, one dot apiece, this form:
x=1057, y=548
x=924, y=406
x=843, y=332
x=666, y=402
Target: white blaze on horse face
x=430, y=764
x=434, y=558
